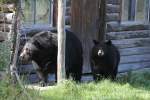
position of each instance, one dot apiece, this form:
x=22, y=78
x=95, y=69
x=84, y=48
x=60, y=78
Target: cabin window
x=136, y=10
x=37, y=11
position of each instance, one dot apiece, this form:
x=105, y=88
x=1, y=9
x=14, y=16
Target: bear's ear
x=109, y=42
x=95, y=42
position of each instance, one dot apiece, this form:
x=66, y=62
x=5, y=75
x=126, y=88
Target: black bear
x=41, y=49
x=104, y=59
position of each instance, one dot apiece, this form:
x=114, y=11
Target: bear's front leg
x=43, y=76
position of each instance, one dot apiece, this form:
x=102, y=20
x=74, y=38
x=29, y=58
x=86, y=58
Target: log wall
x=6, y=19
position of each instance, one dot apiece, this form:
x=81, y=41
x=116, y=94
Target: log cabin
x=125, y=22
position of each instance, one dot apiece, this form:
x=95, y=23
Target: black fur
x=104, y=59
x=45, y=54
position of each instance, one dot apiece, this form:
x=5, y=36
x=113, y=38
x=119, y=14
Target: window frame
x=132, y=11
x=33, y=11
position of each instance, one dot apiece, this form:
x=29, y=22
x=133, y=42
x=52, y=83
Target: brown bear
x=42, y=50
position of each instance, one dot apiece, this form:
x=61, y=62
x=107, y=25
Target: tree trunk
x=61, y=41
x=85, y=22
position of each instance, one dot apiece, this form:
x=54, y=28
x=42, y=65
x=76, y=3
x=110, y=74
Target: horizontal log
x=125, y=60
x=87, y=77
x=11, y=6
x=126, y=26
x=31, y=30
x=135, y=58
x=7, y=8
x=112, y=17
x=130, y=43
x=115, y=2
x=133, y=66
x=110, y=8
x=33, y=78
x=6, y=17
x=5, y=27
x=128, y=34
x=2, y=38
x=26, y=69
x=134, y=51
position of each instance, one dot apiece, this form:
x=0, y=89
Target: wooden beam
x=112, y=8
x=128, y=34
x=130, y=43
x=135, y=51
x=115, y=2
x=133, y=66
x=135, y=58
x=61, y=41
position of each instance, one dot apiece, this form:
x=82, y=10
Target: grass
x=9, y=91
x=137, y=87
x=4, y=54
x=133, y=86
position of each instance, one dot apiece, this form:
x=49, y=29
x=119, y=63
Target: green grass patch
x=10, y=91
x=4, y=54
x=136, y=87
x=133, y=86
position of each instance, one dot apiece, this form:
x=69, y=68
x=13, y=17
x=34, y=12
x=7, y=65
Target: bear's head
x=27, y=52
x=100, y=49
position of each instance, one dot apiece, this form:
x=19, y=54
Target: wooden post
x=16, y=40
x=61, y=41
x=85, y=22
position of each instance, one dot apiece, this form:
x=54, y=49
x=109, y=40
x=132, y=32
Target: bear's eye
x=27, y=49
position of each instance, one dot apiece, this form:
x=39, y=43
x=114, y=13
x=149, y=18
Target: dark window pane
x=27, y=11
x=42, y=11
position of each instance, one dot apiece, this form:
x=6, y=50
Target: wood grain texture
x=128, y=34
x=85, y=22
x=133, y=42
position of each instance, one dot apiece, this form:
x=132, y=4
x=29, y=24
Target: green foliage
x=4, y=54
x=10, y=91
x=134, y=86
x=137, y=87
